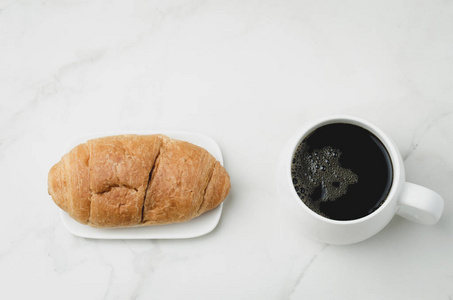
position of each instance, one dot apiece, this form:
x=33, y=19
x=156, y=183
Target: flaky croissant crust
x=137, y=180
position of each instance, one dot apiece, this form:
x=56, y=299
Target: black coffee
x=342, y=171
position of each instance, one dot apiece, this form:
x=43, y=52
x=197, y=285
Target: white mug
x=411, y=201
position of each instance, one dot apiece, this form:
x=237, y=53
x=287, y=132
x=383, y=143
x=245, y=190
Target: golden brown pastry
x=136, y=180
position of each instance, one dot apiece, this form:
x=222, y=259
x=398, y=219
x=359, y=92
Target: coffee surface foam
x=318, y=175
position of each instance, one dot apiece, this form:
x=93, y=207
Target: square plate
x=193, y=228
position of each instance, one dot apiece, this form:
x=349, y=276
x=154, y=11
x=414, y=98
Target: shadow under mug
x=411, y=201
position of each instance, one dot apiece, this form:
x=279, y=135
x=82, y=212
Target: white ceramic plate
x=193, y=228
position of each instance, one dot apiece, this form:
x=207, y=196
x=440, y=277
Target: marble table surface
x=248, y=74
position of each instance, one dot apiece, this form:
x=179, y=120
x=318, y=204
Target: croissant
x=137, y=180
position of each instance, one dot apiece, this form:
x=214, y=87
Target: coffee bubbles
x=341, y=171
x=318, y=175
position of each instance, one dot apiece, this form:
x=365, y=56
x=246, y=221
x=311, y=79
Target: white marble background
x=248, y=74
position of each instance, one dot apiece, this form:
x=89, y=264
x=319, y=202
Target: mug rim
x=385, y=140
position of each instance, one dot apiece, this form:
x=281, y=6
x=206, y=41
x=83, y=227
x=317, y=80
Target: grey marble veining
x=248, y=74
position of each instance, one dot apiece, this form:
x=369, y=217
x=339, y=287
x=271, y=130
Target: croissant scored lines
x=134, y=180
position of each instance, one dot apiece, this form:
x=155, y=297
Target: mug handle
x=420, y=205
